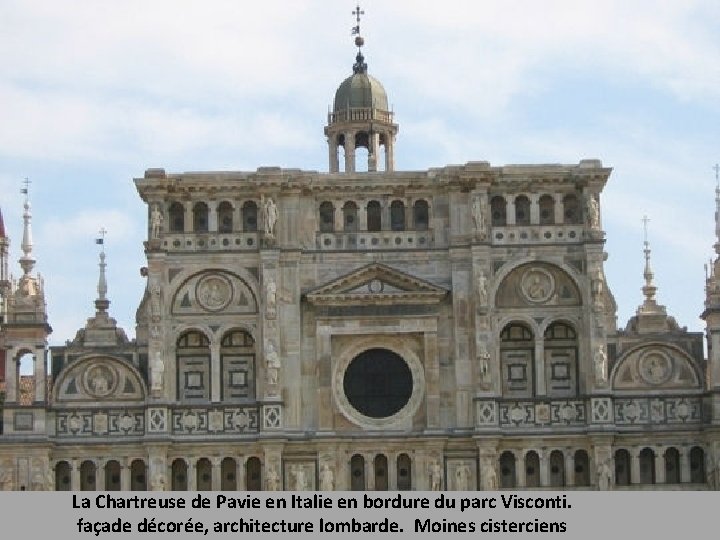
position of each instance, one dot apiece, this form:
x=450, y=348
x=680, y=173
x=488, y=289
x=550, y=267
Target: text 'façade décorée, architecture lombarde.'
x=363, y=330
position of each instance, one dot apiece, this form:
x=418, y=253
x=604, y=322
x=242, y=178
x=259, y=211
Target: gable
x=98, y=379
x=654, y=367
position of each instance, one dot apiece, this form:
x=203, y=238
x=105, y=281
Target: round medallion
x=100, y=380
x=655, y=367
x=537, y=285
x=376, y=286
x=213, y=292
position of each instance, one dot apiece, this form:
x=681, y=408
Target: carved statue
x=435, y=473
x=600, y=361
x=604, y=476
x=477, y=216
x=272, y=480
x=484, y=365
x=270, y=298
x=462, y=477
x=38, y=480
x=158, y=482
x=300, y=478
x=482, y=293
x=156, y=222
x=155, y=291
x=488, y=476
x=327, y=478
x=270, y=215
x=272, y=364
x=157, y=371
x=593, y=213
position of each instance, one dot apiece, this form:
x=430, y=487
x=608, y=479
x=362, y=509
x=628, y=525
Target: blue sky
x=93, y=93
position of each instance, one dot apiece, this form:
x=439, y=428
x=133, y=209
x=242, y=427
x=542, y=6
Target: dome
x=360, y=90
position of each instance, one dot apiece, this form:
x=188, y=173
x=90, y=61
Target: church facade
x=367, y=330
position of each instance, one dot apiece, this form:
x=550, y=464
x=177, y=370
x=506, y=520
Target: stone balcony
x=211, y=241
x=537, y=234
x=380, y=240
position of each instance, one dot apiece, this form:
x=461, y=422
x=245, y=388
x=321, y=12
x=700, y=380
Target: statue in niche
x=270, y=215
x=157, y=371
x=158, y=482
x=600, y=361
x=272, y=480
x=482, y=293
x=300, y=478
x=489, y=476
x=327, y=478
x=435, y=473
x=604, y=476
x=477, y=216
x=270, y=298
x=156, y=222
x=593, y=213
x=484, y=365
x=155, y=291
x=272, y=364
x=462, y=477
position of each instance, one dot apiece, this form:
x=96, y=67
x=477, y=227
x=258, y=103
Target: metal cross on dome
x=358, y=12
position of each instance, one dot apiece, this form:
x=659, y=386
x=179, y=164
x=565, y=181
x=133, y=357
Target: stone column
x=212, y=216
x=75, y=475
x=569, y=468
x=126, y=475
x=11, y=375
x=635, y=466
x=362, y=215
x=237, y=217
x=40, y=368
x=100, y=475
x=510, y=211
x=188, y=216
x=349, y=152
x=520, y=470
x=432, y=380
x=369, y=472
x=191, y=474
x=333, y=155
x=215, y=375
x=540, y=387
x=534, y=209
x=685, y=475
x=373, y=149
x=241, y=482
x=544, y=468
x=559, y=215
x=392, y=472
x=659, y=466
x=216, y=477
x=338, y=216
x=389, y=152
x=384, y=215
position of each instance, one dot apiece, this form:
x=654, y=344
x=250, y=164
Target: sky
x=93, y=93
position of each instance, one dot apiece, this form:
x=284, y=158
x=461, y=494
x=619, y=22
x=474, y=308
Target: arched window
x=498, y=211
x=200, y=217
x=350, y=217
x=507, y=470
x=397, y=216
x=672, y=466
x=112, y=476
x=253, y=474
x=582, y=468
x=177, y=217
x=517, y=349
x=404, y=473
x=547, y=210
x=228, y=479
x=380, y=465
x=374, y=216
x=622, y=467
x=532, y=469
x=87, y=476
x=421, y=215
x=647, y=466
x=203, y=471
x=237, y=358
x=179, y=475
x=193, y=365
x=557, y=469
x=560, y=351
x=697, y=465
x=62, y=476
x=138, y=475
x=249, y=216
x=327, y=217
x=225, y=217
x=571, y=209
x=357, y=473
x=522, y=210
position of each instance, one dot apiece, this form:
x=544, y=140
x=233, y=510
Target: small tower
x=4, y=274
x=650, y=317
x=711, y=314
x=360, y=117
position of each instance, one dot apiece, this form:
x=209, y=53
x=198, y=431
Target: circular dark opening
x=378, y=383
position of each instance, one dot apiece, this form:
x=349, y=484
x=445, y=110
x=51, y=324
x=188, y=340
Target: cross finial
x=716, y=168
x=358, y=13
x=645, y=221
x=101, y=239
x=26, y=190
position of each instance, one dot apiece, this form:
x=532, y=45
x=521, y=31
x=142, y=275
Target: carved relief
x=537, y=283
x=655, y=366
x=213, y=292
x=99, y=378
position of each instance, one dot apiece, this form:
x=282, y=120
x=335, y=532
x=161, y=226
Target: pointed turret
x=711, y=314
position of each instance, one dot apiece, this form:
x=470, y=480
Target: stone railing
x=537, y=234
x=210, y=241
x=363, y=240
x=361, y=114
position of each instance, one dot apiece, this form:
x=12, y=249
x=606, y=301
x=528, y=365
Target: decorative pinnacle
x=716, y=168
x=102, y=303
x=649, y=289
x=360, y=66
x=27, y=262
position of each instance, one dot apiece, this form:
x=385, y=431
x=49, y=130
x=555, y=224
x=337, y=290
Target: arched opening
x=547, y=210
x=228, y=475
x=380, y=466
x=374, y=216
x=203, y=472
x=404, y=473
x=622, y=467
x=522, y=210
x=193, y=365
x=62, y=476
x=557, y=469
x=582, y=468
x=112, y=476
x=532, y=469
x=507, y=470
x=253, y=474
x=200, y=217
x=672, y=466
x=25, y=378
x=697, y=465
x=327, y=217
x=571, y=209
x=561, y=360
x=647, y=466
x=350, y=217
x=498, y=211
x=517, y=350
x=225, y=217
x=176, y=213
x=87, y=476
x=421, y=215
x=179, y=475
x=249, y=216
x=357, y=473
x=237, y=359
x=397, y=216
x=138, y=475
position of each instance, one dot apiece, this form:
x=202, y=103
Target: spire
x=716, y=168
x=2, y=226
x=359, y=66
x=102, y=303
x=27, y=262
x=649, y=289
